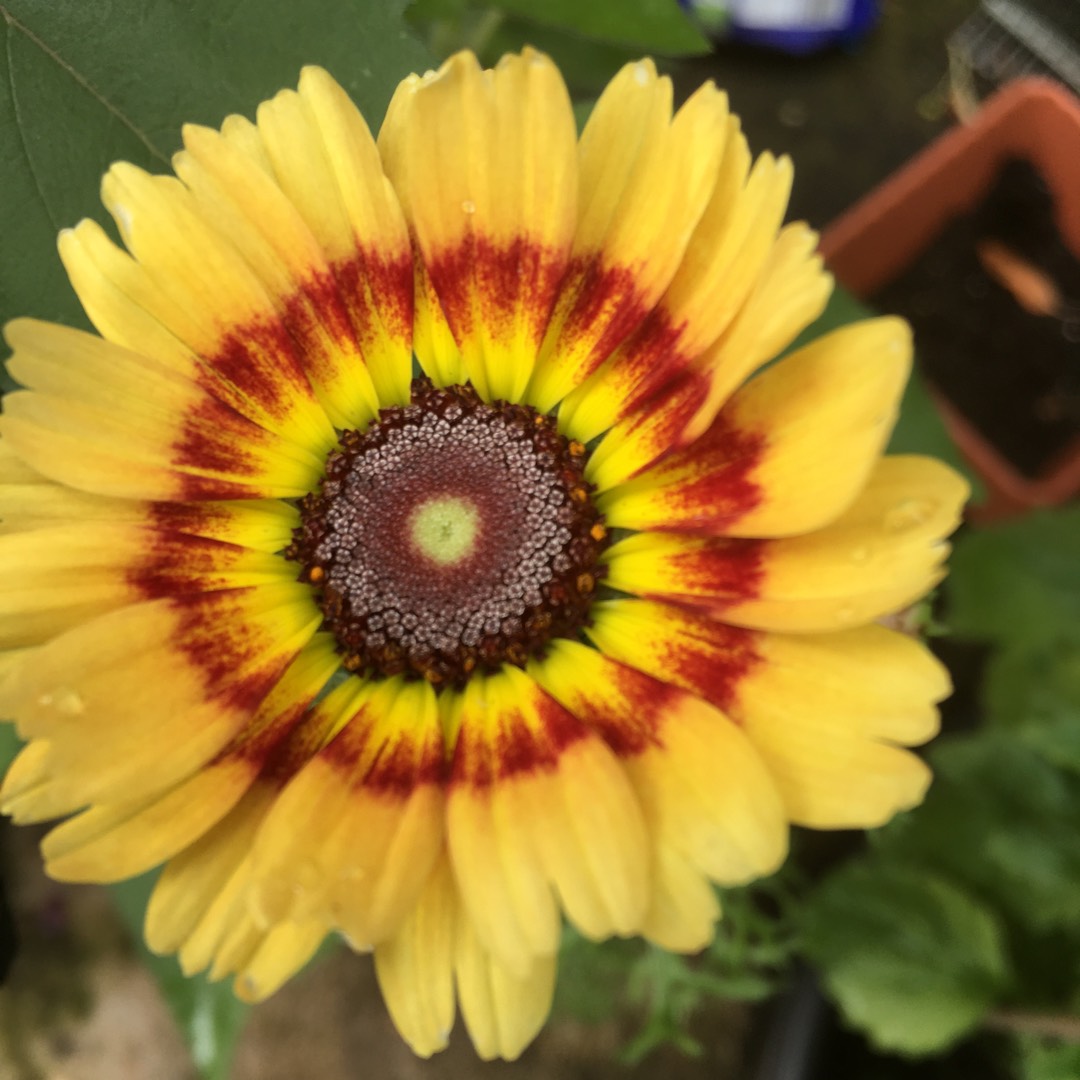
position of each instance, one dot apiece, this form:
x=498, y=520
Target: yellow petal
x=194, y=893
x=58, y=577
x=135, y=700
x=415, y=966
x=108, y=420
x=684, y=909
x=485, y=165
x=218, y=307
x=280, y=953
x=789, y=452
x=323, y=156
x=824, y=711
x=355, y=833
x=119, y=839
x=719, y=269
x=646, y=179
x=503, y=1010
x=536, y=803
x=881, y=555
x=14, y=470
x=704, y=790
x=242, y=202
x=791, y=292
x=198, y=908
x=259, y=525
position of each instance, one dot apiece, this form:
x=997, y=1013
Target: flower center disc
x=451, y=534
x=443, y=529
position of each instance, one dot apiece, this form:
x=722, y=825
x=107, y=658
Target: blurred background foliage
x=589, y=41
x=959, y=923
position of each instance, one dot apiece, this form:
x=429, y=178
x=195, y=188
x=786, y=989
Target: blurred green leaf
x=592, y=976
x=1019, y=583
x=912, y=959
x=670, y=989
x=423, y=11
x=447, y=26
x=10, y=745
x=1042, y=1059
x=209, y=1015
x=659, y=26
x=1036, y=693
x=582, y=112
x=1017, y=586
x=1046, y=970
x=1003, y=821
x=587, y=66
x=746, y=961
x=84, y=84
x=586, y=62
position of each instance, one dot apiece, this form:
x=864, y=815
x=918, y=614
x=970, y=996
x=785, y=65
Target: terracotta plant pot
x=870, y=245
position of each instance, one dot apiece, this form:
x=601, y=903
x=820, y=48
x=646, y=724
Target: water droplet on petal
x=70, y=703
x=273, y=902
x=860, y=554
x=907, y=514
x=845, y=614
x=64, y=700
x=469, y=206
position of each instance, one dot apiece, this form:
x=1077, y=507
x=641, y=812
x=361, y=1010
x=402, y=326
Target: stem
x=482, y=30
x=1065, y=1026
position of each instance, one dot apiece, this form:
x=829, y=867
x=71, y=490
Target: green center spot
x=444, y=529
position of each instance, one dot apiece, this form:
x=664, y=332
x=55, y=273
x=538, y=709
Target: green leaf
x=10, y=745
x=209, y=1015
x=1042, y=1059
x=446, y=26
x=592, y=976
x=586, y=62
x=587, y=66
x=912, y=959
x=1036, y=693
x=656, y=26
x=754, y=944
x=1046, y=973
x=84, y=84
x=1018, y=586
x=1002, y=820
x=582, y=112
x=1019, y=582
x=425, y=11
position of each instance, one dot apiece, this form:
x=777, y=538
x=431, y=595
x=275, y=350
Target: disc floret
x=450, y=535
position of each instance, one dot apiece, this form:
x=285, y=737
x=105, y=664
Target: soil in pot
x=995, y=305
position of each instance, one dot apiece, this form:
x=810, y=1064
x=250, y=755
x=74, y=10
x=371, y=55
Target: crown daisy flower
x=416, y=555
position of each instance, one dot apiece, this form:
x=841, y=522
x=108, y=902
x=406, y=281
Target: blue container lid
x=793, y=26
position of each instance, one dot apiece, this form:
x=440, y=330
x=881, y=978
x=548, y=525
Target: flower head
x=573, y=623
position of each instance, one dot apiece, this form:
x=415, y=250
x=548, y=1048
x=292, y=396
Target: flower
x=574, y=624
